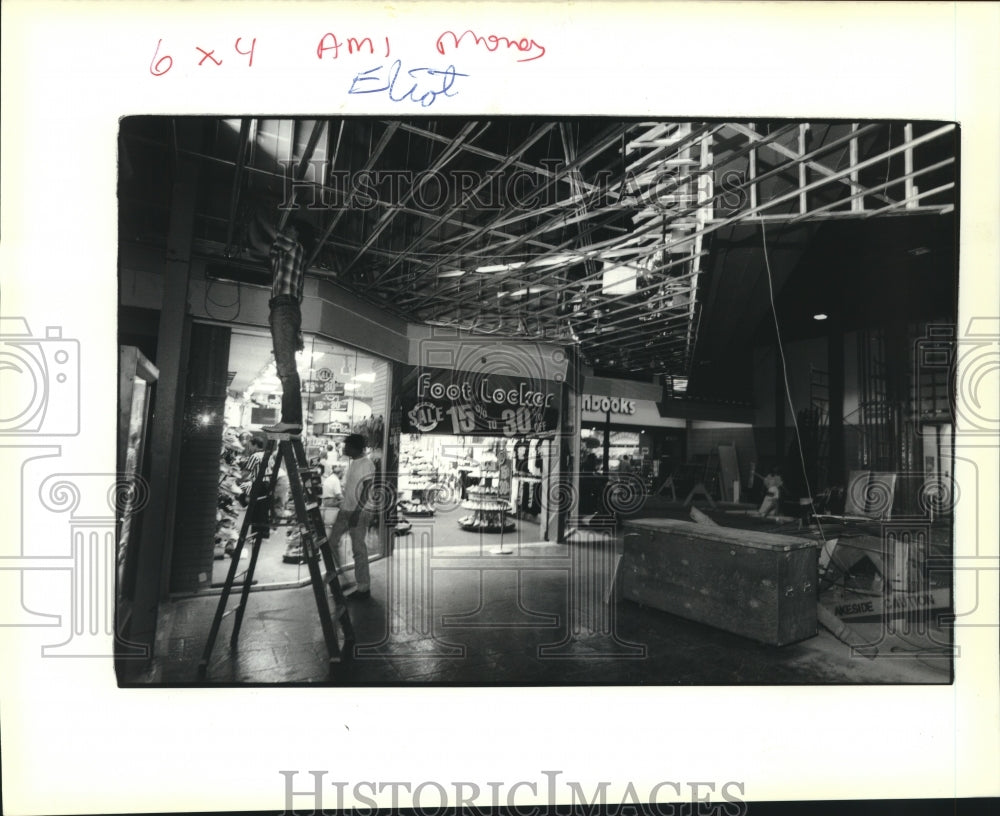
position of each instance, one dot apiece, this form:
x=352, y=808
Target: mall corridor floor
x=544, y=614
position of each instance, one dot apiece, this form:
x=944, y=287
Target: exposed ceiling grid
x=606, y=242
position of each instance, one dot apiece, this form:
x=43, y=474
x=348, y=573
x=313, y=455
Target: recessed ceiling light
x=819, y=316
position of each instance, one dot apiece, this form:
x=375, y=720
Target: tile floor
x=444, y=610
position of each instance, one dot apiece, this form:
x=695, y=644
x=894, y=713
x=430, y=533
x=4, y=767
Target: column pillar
x=153, y=569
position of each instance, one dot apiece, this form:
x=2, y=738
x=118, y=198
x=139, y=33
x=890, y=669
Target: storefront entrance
x=466, y=486
x=344, y=391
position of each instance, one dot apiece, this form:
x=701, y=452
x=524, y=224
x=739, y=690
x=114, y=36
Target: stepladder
x=286, y=451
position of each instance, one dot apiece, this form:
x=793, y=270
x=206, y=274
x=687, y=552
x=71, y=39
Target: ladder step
x=312, y=506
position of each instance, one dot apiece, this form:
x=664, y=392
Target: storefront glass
x=473, y=484
x=344, y=391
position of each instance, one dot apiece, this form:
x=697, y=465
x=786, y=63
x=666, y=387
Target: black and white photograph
x=575, y=401
x=444, y=407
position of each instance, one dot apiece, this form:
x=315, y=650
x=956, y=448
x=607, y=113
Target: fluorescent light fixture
x=541, y=287
x=350, y=386
x=451, y=273
x=555, y=260
x=819, y=316
x=500, y=267
x=368, y=377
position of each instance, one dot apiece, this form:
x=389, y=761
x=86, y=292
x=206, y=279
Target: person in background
x=355, y=511
x=624, y=466
x=774, y=485
x=333, y=493
x=253, y=464
x=588, y=485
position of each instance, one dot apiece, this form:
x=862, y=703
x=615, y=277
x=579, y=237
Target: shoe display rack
x=312, y=484
x=489, y=512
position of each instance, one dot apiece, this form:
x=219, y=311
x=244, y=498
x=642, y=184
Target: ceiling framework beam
x=234, y=195
x=445, y=218
x=576, y=185
x=797, y=193
x=854, y=168
x=650, y=231
x=911, y=203
x=319, y=126
x=559, y=222
x=762, y=216
x=271, y=174
x=803, y=168
x=387, y=217
x=910, y=191
x=816, y=166
x=582, y=315
x=373, y=157
x=611, y=135
x=855, y=198
x=475, y=150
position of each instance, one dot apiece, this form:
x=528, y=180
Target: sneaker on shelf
x=282, y=428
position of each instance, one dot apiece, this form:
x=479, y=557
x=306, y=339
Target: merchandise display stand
x=489, y=513
x=417, y=505
x=315, y=545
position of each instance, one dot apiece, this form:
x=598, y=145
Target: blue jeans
x=359, y=548
x=286, y=324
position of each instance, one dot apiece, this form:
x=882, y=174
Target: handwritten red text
x=492, y=42
x=160, y=65
x=353, y=45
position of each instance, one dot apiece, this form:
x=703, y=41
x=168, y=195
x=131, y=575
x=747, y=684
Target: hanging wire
x=784, y=371
x=209, y=283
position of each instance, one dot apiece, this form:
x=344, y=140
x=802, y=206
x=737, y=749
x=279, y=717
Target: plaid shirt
x=287, y=267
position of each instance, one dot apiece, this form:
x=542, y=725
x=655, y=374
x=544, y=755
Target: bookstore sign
x=608, y=405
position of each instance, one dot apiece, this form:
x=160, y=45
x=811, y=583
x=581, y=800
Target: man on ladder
x=290, y=248
x=288, y=255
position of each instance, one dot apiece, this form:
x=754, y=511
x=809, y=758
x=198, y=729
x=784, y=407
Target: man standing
x=252, y=466
x=355, y=511
x=289, y=252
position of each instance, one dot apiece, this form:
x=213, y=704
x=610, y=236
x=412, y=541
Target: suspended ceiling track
x=669, y=173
